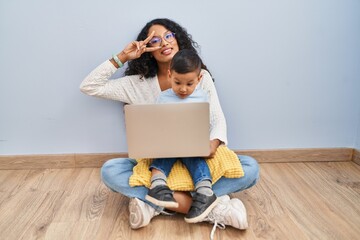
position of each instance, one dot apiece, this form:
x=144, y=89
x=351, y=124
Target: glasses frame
x=162, y=38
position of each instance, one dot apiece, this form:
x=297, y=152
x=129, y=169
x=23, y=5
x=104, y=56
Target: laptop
x=168, y=130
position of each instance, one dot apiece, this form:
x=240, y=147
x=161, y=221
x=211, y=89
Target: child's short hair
x=185, y=61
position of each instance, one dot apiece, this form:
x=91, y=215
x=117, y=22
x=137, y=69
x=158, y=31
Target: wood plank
x=302, y=199
x=299, y=155
x=85, y=181
x=97, y=159
x=28, y=212
x=356, y=156
x=311, y=200
x=9, y=182
x=86, y=203
x=344, y=195
x=62, y=230
x=117, y=226
x=9, y=179
x=268, y=217
x=37, y=161
x=51, y=179
x=38, y=223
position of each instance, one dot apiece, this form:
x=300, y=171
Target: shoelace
x=167, y=212
x=218, y=223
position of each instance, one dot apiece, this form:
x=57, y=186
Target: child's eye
x=177, y=83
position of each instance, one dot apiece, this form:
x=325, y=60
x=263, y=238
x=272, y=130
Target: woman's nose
x=164, y=43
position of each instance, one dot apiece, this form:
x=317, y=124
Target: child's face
x=184, y=84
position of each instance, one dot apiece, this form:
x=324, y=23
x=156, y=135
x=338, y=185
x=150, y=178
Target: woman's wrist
x=216, y=142
x=119, y=59
x=122, y=57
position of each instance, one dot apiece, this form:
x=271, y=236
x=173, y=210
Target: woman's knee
x=114, y=167
x=116, y=172
x=251, y=169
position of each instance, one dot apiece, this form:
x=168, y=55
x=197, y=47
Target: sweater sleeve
x=217, y=118
x=98, y=84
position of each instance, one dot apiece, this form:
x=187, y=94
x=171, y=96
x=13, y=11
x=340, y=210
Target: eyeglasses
x=156, y=41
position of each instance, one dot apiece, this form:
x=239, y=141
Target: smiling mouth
x=167, y=51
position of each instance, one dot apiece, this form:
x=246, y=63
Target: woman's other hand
x=214, y=144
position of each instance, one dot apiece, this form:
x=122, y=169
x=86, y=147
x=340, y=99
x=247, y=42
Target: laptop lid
x=167, y=130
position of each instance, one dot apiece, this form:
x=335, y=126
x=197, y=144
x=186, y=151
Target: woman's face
x=166, y=40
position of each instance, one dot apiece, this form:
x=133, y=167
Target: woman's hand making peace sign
x=135, y=49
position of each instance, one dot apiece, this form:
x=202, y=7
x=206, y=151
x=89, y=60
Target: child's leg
x=157, y=178
x=204, y=187
x=160, y=168
x=200, y=174
x=204, y=200
x=159, y=193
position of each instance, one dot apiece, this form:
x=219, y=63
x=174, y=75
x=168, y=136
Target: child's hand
x=214, y=144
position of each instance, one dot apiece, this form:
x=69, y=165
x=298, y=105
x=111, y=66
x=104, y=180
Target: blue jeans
x=115, y=173
x=196, y=166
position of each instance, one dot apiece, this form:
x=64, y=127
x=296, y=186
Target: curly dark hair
x=145, y=65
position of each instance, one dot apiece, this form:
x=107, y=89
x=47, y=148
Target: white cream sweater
x=133, y=90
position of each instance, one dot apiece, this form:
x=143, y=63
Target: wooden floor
x=291, y=201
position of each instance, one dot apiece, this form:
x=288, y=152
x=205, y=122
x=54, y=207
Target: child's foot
x=162, y=196
x=200, y=207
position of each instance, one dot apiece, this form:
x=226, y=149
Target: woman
x=146, y=76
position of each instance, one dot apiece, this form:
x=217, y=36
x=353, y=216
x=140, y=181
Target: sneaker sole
x=162, y=203
x=202, y=216
x=244, y=224
x=136, y=220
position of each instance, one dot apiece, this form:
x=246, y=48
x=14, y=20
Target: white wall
x=357, y=144
x=357, y=141
x=287, y=72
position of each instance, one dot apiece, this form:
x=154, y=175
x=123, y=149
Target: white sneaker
x=141, y=213
x=229, y=212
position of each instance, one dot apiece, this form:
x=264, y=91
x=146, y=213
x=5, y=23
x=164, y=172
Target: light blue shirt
x=169, y=96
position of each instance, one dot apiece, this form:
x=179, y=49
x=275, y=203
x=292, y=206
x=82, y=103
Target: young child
x=184, y=74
